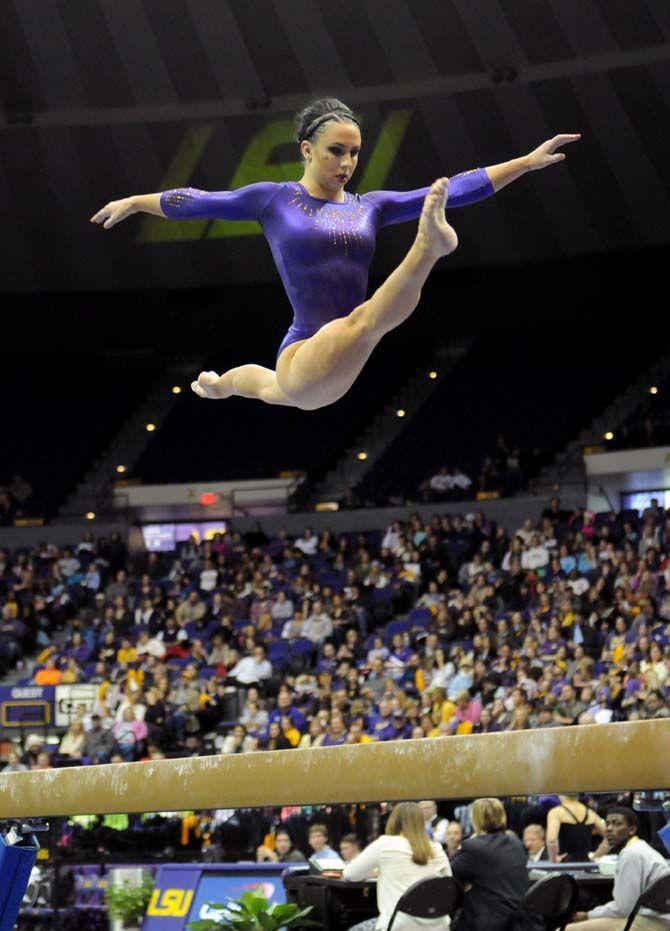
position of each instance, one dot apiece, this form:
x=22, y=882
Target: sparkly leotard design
x=322, y=249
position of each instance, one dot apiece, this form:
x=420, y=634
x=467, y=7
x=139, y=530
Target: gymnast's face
x=332, y=155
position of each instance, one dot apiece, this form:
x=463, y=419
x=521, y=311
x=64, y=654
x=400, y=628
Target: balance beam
x=591, y=758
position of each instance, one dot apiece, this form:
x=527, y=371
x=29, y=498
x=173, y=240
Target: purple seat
x=420, y=617
x=278, y=649
x=397, y=627
x=301, y=647
x=382, y=595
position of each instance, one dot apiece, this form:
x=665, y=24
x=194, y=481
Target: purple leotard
x=322, y=248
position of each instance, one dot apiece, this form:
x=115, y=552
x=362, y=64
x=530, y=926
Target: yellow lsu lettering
x=255, y=165
x=170, y=903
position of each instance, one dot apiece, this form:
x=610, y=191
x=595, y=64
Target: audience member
x=534, y=842
x=453, y=838
x=638, y=866
x=436, y=827
x=282, y=852
x=493, y=863
x=318, y=841
x=402, y=856
x=349, y=847
x=570, y=829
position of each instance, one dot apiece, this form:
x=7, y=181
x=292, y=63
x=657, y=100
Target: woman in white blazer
x=403, y=855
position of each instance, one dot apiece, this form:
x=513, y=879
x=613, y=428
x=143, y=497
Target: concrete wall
x=60, y=534
x=510, y=512
x=609, y=475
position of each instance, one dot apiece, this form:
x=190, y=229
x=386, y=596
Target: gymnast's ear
x=306, y=150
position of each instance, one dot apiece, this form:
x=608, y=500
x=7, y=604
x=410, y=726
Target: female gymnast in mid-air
x=323, y=239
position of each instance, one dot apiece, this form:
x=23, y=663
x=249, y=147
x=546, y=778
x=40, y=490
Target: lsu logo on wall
x=256, y=165
x=170, y=903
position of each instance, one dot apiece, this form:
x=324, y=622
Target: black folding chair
x=656, y=897
x=430, y=898
x=553, y=898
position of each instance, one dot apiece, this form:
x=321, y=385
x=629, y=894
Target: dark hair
x=625, y=812
x=310, y=119
x=283, y=831
x=350, y=839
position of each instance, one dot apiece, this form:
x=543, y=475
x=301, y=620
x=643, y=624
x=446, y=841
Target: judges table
x=339, y=904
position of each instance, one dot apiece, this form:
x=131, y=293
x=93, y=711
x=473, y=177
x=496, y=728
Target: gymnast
x=323, y=239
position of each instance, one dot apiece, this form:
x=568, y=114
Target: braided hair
x=309, y=121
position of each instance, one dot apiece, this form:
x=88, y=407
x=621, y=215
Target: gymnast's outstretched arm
x=245, y=203
x=470, y=186
x=541, y=157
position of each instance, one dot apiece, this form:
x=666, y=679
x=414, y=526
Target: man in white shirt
x=282, y=609
x=579, y=585
x=537, y=556
x=208, y=577
x=435, y=827
x=68, y=564
x=638, y=866
x=460, y=480
x=442, y=481
x=252, y=669
x=150, y=646
x=526, y=532
x=392, y=536
x=307, y=543
x=318, y=625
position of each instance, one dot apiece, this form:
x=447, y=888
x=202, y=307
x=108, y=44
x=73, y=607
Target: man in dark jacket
x=99, y=743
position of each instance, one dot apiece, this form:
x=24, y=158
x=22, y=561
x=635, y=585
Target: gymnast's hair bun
x=309, y=121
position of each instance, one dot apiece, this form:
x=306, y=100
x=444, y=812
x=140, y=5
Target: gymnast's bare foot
x=211, y=385
x=435, y=235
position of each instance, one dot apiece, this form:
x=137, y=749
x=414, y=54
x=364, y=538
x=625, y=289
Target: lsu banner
x=185, y=893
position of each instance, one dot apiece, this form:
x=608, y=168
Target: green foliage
x=252, y=912
x=129, y=902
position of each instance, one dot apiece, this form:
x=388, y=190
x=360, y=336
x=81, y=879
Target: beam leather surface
x=594, y=758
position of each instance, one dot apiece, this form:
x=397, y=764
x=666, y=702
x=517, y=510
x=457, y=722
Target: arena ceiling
x=109, y=97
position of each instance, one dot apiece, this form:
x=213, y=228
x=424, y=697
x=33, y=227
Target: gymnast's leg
x=317, y=371
x=245, y=381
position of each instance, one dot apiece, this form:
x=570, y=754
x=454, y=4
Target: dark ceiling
x=110, y=97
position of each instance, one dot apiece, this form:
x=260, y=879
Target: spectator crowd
x=426, y=629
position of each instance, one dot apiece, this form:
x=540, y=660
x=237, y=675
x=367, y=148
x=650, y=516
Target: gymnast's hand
x=115, y=211
x=546, y=153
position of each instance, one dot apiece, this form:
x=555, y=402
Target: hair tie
x=332, y=114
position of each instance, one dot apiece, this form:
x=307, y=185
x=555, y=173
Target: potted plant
x=128, y=902
x=253, y=912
